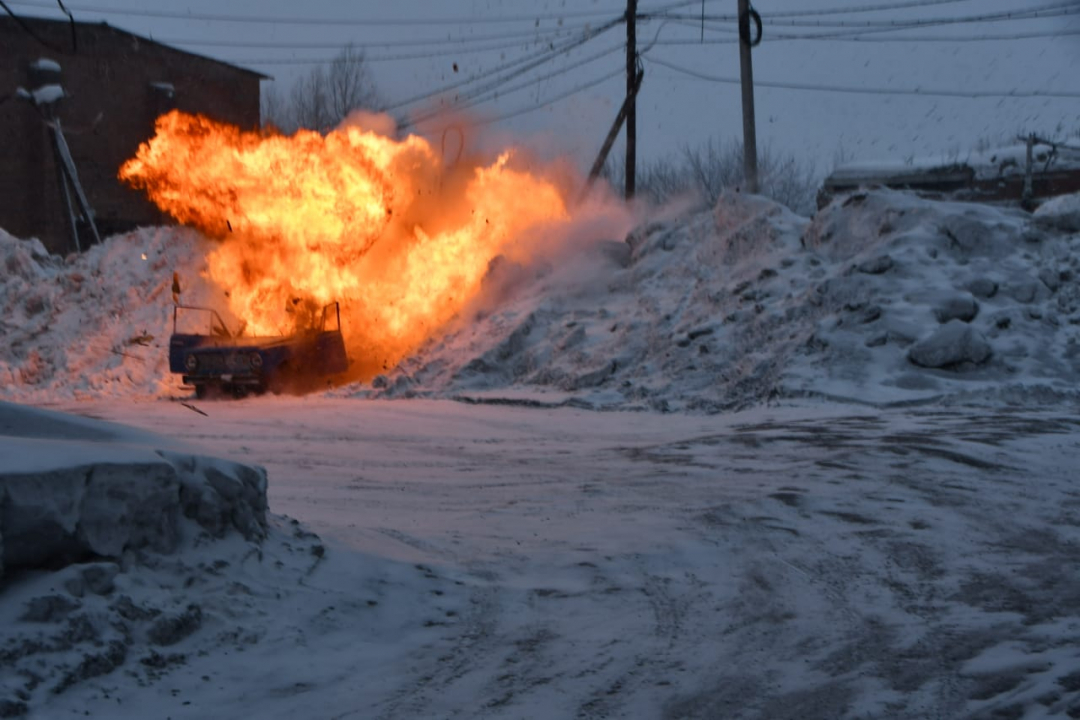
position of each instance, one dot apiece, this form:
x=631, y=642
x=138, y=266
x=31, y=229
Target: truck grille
x=215, y=362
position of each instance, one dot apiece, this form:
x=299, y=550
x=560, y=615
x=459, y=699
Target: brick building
x=115, y=85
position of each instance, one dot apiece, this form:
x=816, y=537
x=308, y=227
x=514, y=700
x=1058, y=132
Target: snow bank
x=73, y=490
x=95, y=324
x=883, y=297
x=90, y=513
x=1060, y=213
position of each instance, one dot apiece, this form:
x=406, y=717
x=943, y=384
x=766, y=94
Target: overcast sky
x=467, y=38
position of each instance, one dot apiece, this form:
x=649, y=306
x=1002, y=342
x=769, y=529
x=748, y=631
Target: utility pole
x=748, y=129
x=631, y=95
x=598, y=165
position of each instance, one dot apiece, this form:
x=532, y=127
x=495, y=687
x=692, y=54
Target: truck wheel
x=277, y=381
x=201, y=391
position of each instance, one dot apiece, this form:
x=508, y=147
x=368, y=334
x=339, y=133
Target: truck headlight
x=256, y=360
x=191, y=362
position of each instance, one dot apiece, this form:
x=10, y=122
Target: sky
x=566, y=104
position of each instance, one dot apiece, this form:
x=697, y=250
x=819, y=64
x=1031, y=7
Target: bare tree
x=325, y=96
x=349, y=84
x=310, y=102
x=274, y=107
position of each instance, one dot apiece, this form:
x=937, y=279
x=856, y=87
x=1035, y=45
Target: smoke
x=381, y=124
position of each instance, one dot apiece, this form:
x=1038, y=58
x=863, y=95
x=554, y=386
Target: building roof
x=55, y=26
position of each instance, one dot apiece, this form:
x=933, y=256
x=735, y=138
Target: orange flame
x=386, y=227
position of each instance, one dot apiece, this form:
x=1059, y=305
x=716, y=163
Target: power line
x=872, y=91
x=529, y=63
x=302, y=20
x=554, y=99
x=323, y=45
x=859, y=36
x=881, y=32
x=1057, y=9
x=29, y=31
x=853, y=9
x=368, y=57
x=890, y=26
x=864, y=8
x=851, y=30
x=481, y=96
x=930, y=38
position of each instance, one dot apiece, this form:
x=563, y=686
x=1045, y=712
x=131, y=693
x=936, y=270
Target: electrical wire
x=1057, y=9
x=368, y=57
x=525, y=63
x=879, y=39
x=323, y=45
x=857, y=36
x=29, y=31
x=928, y=38
x=463, y=103
x=871, y=91
x=300, y=20
x=892, y=25
x=864, y=8
x=554, y=99
x=882, y=32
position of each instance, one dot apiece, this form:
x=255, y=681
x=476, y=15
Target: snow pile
x=96, y=324
x=72, y=490
x=1061, y=213
x=882, y=297
x=89, y=502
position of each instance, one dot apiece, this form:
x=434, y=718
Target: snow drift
x=73, y=490
x=882, y=297
x=90, y=514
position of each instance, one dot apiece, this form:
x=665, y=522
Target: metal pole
x=631, y=93
x=62, y=176
x=749, y=134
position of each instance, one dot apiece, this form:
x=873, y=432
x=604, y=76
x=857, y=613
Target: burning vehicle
x=399, y=233
x=223, y=362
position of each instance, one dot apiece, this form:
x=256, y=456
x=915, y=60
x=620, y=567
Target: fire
x=391, y=229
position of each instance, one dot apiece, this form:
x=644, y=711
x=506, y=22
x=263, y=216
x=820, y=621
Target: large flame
x=391, y=229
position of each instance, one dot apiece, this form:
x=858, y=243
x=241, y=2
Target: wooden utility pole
x=749, y=132
x=620, y=118
x=631, y=93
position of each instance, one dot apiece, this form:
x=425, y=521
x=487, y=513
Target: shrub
x=709, y=169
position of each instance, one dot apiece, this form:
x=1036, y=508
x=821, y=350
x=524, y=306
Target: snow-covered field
x=491, y=561
x=745, y=464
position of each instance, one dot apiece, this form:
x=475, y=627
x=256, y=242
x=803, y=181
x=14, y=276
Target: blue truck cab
x=220, y=361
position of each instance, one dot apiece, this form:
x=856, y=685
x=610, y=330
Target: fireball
x=399, y=235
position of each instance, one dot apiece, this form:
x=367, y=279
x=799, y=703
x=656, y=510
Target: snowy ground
x=492, y=561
